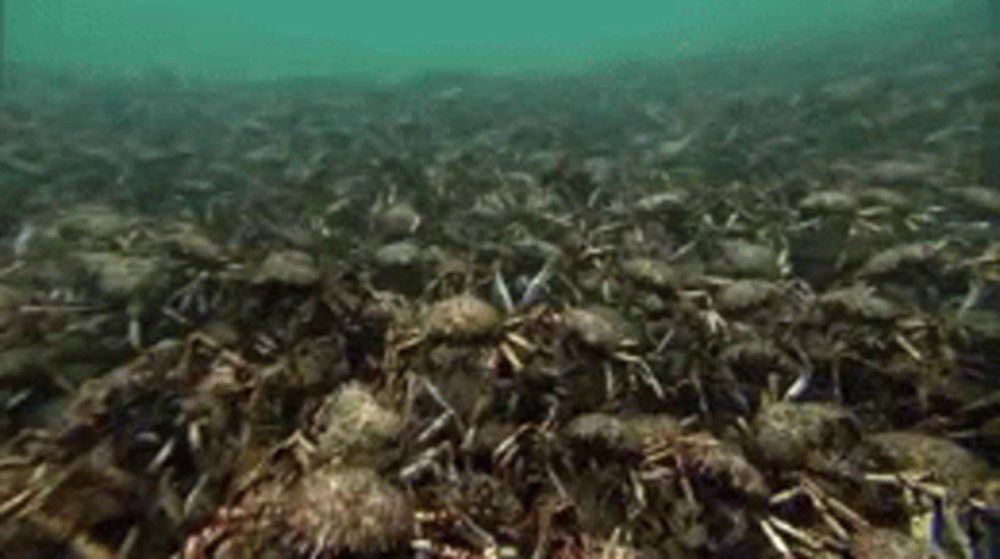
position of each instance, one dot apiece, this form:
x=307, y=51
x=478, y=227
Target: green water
x=388, y=39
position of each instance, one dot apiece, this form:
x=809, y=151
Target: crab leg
x=775, y=539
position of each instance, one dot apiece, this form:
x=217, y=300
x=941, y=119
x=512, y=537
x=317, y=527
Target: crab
x=742, y=258
x=697, y=464
x=332, y=509
x=394, y=219
x=652, y=273
x=466, y=318
x=741, y=295
x=793, y=435
x=898, y=259
x=470, y=510
x=859, y=301
x=937, y=485
x=353, y=427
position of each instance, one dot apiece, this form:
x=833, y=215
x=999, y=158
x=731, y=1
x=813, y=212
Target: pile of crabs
x=474, y=317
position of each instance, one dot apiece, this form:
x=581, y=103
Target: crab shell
x=600, y=328
x=337, y=509
x=460, y=318
x=788, y=433
x=355, y=428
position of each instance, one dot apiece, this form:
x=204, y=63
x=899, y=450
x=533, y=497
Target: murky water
x=387, y=38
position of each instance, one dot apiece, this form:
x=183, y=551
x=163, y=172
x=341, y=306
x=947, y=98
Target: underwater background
x=388, y=39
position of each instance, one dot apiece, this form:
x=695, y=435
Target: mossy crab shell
x=187, y=240
x=651, y=273
x=881, y=197
x=318, y=361
x=353, y=427
x=333, y=510
x=859, y=301
x=490, y=501
x=745, y=259
x=741, y=295
x=288, y=267
x=895, y=260
x=92, y=224
x=123, y=277
x=458, y=318
x=946, y=460
x=598, y=328
x=979, y=200
x=395, y=221
x=709, y=458
x=828, y=203
x=670, y=201
x=789, y=434
x=610, y=433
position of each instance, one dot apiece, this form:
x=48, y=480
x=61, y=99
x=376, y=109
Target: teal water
x=388, y=39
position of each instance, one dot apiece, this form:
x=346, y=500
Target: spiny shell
x=599, y=429
x=314, y=359
x=93, y=222
x=600, y=328
x=353, y=425
x=348, y=510
x=947, y=460
x=727, y=464
x=722, y=462
x=188, y=240
x=860, y=301
x=758, y=356
x=288, y=267
x=120, y=276
x=892, y=259
x=787, y=432
x=745, y=259
x=887, y=197
x=618, y=434
x=487, y=499
x=651, y=273
x=980, y=199
x=743, y=294
x=397, y=220
x=670, y=200
x=461, y=317
x=899, y=172
x=828, y=202
x=400, y=253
